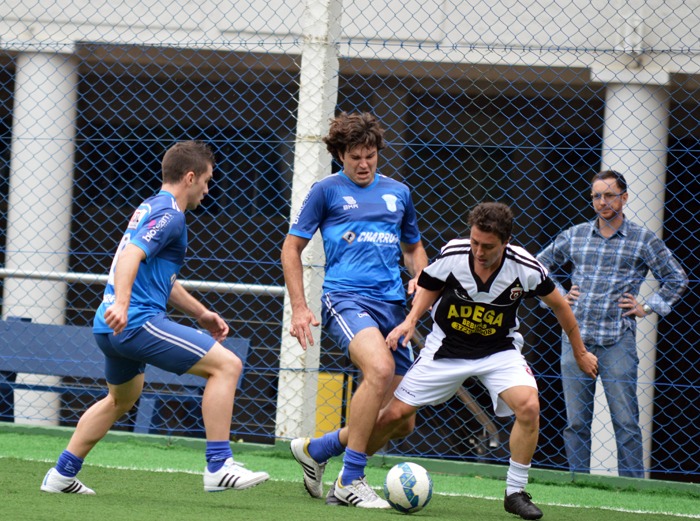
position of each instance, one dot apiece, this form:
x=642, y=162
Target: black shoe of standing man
x=521, y=505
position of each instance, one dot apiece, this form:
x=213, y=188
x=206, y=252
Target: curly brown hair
x=496, y=218
x=349, y=131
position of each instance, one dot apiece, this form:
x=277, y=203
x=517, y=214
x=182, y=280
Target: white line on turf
x=474, y=496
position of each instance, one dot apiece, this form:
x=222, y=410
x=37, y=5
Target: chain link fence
x=513, y=101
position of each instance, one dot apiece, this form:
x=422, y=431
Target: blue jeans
x=617, y=369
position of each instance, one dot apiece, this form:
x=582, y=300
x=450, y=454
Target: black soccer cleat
x=521, y=505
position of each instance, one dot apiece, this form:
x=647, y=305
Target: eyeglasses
x=608, y=197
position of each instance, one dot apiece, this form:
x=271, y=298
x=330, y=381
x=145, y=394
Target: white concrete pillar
x=635, y=142
x=39, y=206
x=318, y=91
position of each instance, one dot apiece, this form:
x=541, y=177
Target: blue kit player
x=367, y=221
x=132, y=329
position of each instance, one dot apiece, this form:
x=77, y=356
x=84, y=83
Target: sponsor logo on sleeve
x=154, y=227
x=301, y=209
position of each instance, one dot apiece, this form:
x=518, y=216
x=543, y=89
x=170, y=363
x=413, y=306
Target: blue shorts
x=160, y=342
x=345, y=314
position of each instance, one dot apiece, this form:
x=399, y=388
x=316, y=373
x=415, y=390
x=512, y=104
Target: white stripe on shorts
x=180, y=342
x=343, y=325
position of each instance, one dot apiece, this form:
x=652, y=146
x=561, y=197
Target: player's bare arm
x=587, y=362
x=302, y=316
x=181, y=300
x=424, y=300
x=415, y=259
x=124, y=276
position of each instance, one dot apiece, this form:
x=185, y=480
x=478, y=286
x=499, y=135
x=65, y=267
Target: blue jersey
x=361, y=229
x=158, y=228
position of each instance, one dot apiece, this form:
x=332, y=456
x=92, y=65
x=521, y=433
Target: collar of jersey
x=167, y=193
x=368, y=187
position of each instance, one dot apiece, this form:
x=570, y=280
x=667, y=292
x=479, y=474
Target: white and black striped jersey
x=474, y=319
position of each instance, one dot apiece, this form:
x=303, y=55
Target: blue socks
x=354, y=466
x=325, y=447
x=217, y=453
x=69, y=465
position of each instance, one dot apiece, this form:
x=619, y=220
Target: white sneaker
x=360, y=494
x=313, y=471
x=332, y=500
x=59, y=484
x=232, y=476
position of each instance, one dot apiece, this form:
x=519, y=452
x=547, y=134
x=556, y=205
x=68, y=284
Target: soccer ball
x=408, y=487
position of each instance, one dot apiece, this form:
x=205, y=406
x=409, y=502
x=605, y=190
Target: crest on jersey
x=136, y=218
x=349, y=236
x=390, y=201
x=516, y=293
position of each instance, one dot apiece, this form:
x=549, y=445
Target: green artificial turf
x=124, y=492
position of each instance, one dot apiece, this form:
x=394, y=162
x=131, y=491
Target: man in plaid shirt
x=611, y=257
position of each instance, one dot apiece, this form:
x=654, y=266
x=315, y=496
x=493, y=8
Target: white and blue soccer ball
x=408, y=487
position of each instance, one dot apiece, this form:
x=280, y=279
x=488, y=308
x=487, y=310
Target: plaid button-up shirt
x=604, y=269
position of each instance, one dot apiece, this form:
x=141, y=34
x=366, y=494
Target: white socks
x=516, y=479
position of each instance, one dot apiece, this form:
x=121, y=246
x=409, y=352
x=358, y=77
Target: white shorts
x=431, y=382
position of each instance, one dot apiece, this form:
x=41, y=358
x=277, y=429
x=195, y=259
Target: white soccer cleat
x=332, y=500
x=232, y=476
x=360, y=494
x=313, y=471
x=59, y=484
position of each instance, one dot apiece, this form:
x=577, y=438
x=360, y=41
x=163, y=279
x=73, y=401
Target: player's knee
x=231, y=366
x=380, y=375
x=529, y=412
x=120, y=404
x=405, y=428
x=394, y=415
x=387, y=418
x=219, y=362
